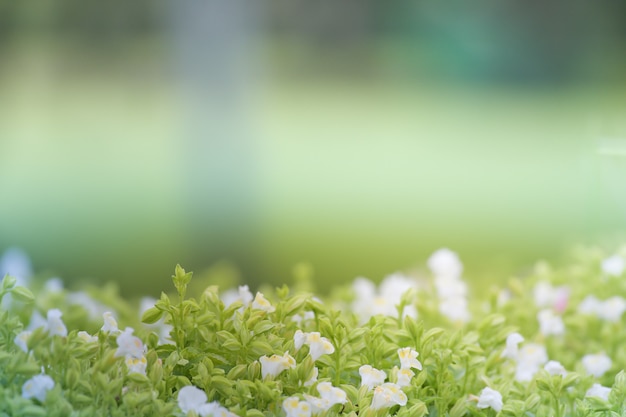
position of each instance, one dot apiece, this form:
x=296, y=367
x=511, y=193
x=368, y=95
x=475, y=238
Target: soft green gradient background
x=358, y=169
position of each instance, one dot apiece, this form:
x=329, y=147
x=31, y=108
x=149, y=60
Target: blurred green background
x=358, y=136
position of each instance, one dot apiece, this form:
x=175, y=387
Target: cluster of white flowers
x=451, y=289
x=370, y=301
x=610, y=309
x=192, y=399
x=318, y=345
x=529, y=358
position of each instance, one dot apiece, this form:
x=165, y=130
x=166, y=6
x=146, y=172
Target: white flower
x=550, y=323
x=532, y=354
x=371, y=377
x=548, y=296
x=275, y=364
x=136, y=365
x=394, y=286
x=194, y=399
x=86, y=337
x=612, y=309
x=318, y=345
x=261, y=303
x=524, y=372
x=450, y=287
x=329, y=396
x=529, y=359
x=313, y=378
x=191, y=398
x=613, y=266
x=37, y=387
x=53, y=285
x=110, y=324
x=455, y=309
x=129, y=345
x=36, y=321
x=511, y=350
x=590, y=305
x=490, y=398
x=408, y=358
x=295, y=408
x=245, y=296
x=596, y=364
x=55, y=325
x=445, y=263
x=21, y=340
x=388, y=395
x=555, y=368
x=299, y=338
x=332, y=394
x=599, y=391
x=299, y=318
x=15, y=262
x=404, y=377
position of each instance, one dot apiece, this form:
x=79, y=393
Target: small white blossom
x=318, y=345
x=37, y=387
x=404, y=377
x=371, y=377
x=590, y=305
x=555, y=368
x=110, y=324
x=53, y=285
x=598, y=391
x=550, y=323
x=37, y=321
x=86, y=337
x=511, y=350
x=136, y=365
x=408, y=358
x=55, y=325
x=299, y=318
x=613, y=266
x=261, y=303
x=191, y=398
x=129, y=345
x=21, y=340
x=548, y=296
x=295, y=408
x=490, y=398
x=275, y=364
x=533, y=354
x=387, y=395
x=455, y=309
x=450, y=287
x=332, y=394
x=612, y=309
x=597, y=364
x=445, y=263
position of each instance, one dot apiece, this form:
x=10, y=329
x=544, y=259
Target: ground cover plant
x=546, y=344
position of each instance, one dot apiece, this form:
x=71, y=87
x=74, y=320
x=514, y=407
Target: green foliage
x=221, y=347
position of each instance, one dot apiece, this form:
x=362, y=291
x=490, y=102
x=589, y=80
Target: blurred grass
x=359, y=175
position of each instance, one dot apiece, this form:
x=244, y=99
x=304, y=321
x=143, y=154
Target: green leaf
x=8, y=282
x=22, y=294
x=152, y=315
